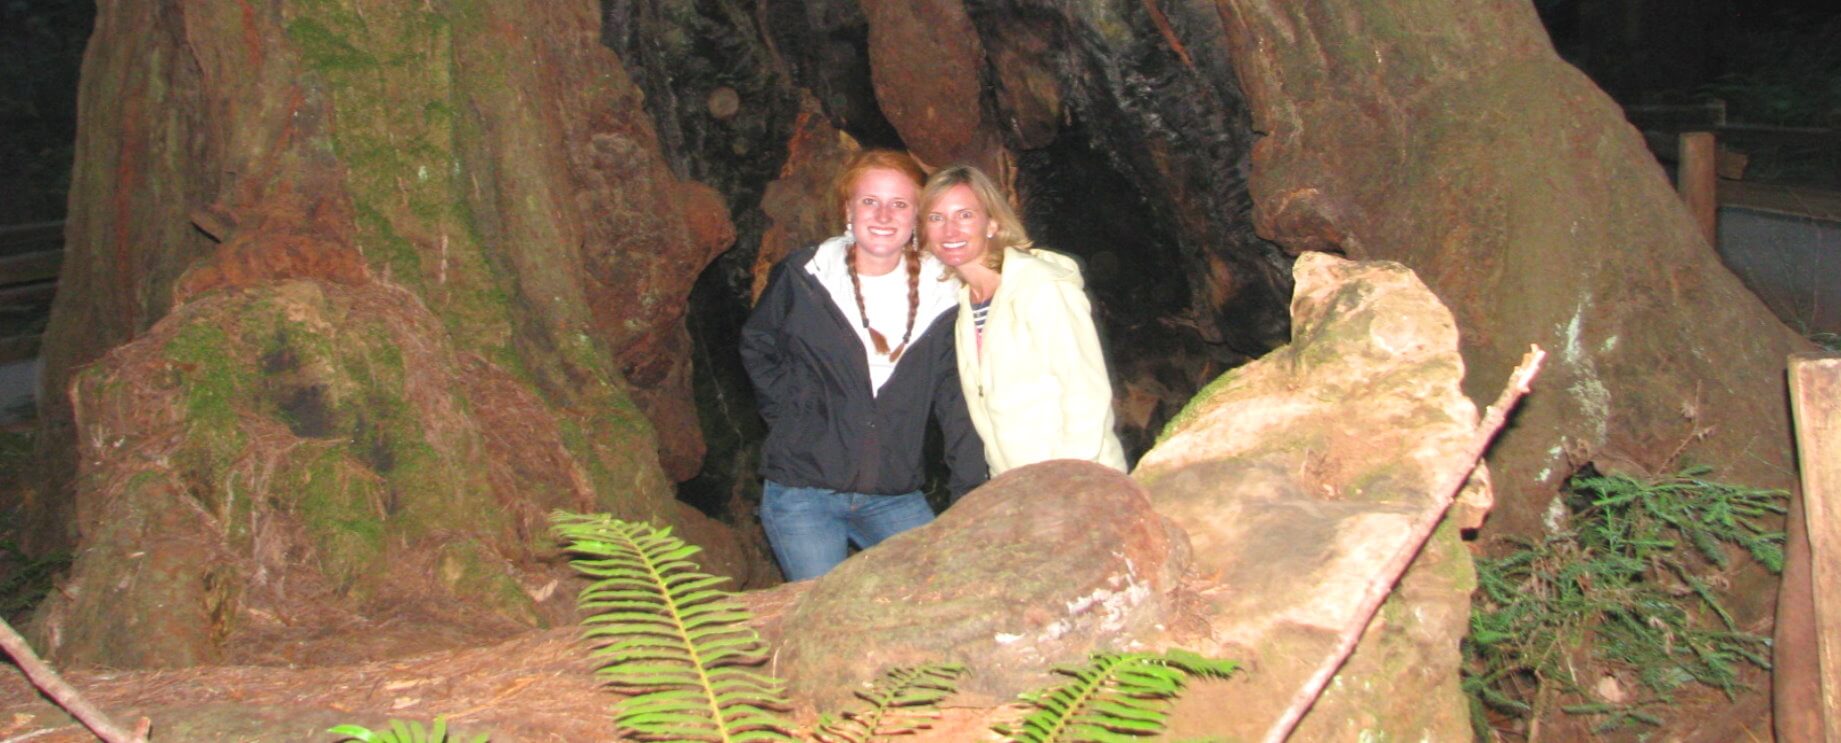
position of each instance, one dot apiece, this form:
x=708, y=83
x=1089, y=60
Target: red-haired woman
x=850, y=351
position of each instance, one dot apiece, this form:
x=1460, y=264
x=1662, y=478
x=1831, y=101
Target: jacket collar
x=1029, y=268
x=827, y=263
x=936, y=296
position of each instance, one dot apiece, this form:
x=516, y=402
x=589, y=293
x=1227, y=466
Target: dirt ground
x=533, y=687
x=520, y=685
x=536, y=686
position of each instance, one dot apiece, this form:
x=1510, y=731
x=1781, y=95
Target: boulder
x=1037, y=568
x=1296, y=477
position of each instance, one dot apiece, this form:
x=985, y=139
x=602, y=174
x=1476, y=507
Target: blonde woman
x=850, y=351
x=1029, y=357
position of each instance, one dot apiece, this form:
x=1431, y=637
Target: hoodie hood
x=1039, y=264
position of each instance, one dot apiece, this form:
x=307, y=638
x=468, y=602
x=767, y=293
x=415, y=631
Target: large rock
x=1036, y=568
x=1297, y=476
x=1283, y=489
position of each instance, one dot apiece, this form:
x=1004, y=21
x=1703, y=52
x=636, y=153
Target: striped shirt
x=980, y=310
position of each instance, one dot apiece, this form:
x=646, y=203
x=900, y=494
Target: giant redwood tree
x=358, y=289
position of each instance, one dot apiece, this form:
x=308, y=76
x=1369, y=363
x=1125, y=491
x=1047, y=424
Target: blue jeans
x=810, y=528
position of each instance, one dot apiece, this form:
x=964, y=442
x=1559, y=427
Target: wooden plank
x=1795, y=201
x=19, y=348
x=1806, y=133
x=27, y=235
x=26, y=267
x=1703, y=115
x=1732, y=164
x=1815, y=407
x=1698, y=181
x=26, y=295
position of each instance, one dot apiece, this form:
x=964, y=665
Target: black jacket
x=824, y=428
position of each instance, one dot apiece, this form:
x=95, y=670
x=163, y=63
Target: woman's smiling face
x=957, y=227
x=881, y=212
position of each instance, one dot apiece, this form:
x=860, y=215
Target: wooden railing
x=30, y=256
x=1705, y=188
x=1696, y=138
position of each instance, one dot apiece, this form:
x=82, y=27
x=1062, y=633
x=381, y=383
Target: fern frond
x=904, y=701
x=401, y=732
x=1114, y=697
x=663, y=635
x=1630, y=579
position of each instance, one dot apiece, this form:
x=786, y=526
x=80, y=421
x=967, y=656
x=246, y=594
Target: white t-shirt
x=885, y=297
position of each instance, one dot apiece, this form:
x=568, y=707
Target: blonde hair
x=1009, y=232
x=903, y=163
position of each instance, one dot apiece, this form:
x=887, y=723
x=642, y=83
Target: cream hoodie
x=1039, y=390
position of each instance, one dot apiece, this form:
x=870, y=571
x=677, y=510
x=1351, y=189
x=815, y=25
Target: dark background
x=1772, y=61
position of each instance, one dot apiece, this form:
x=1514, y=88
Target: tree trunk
x=355, y=292
x=1464, y=148
x=1451, y=138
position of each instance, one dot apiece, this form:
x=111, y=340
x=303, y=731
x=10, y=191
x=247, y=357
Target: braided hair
x=911, y=257
x=900, y=162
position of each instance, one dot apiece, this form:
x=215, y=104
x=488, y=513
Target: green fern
x=903, y=702
x=1625, y=591
x=24, y=579
x=401, y=732
x=1116, y=696
x=662, y=634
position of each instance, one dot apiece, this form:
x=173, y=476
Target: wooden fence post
x=1697, y=178
x=1815, y=407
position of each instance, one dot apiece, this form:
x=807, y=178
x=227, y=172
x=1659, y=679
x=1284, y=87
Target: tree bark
x=372, y=284
x=1464, y=148
x=1451, y=138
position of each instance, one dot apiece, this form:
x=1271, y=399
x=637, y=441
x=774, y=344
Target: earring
x=850, y=234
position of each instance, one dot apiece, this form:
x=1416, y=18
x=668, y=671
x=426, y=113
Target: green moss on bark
x=214, y=383
x=340, y=507
x=389, y=74
x=379, y=470
x=468, y=569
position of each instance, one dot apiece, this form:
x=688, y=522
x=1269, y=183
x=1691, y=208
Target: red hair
x=903, y=163
x=868, y=160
